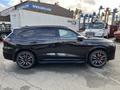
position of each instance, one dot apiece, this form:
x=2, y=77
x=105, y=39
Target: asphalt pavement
x=60, y=76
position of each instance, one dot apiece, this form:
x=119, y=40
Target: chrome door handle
x=34, y=42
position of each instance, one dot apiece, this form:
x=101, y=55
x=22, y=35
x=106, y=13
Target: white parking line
x=118, y=82
x=117, y=44
x=105, y=77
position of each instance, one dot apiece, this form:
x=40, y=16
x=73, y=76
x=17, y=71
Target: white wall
x=21, y=18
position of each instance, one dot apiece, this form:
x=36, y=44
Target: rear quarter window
x=41, y=33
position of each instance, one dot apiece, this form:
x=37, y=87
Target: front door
x=70, y=47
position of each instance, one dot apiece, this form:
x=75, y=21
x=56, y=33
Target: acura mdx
x=55, y=44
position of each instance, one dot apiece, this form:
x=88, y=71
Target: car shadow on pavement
x=56, y=67
x=94, y=77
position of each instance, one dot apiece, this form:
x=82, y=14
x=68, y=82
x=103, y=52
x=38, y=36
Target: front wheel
x=25, y=59
x=98, y=58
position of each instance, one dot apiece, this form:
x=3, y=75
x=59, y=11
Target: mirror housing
x=80, y=38
x=106, y=26
x=83, y=28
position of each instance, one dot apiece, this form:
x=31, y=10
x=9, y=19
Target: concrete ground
x=60, y=76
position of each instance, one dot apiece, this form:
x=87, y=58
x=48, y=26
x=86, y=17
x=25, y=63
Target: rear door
x=46, y=39
x=40, y=40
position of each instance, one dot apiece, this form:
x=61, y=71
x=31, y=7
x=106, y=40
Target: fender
x=96, y=48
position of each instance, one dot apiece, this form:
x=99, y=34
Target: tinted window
x=43, y=33
x=27, y=34
x=67, y=34
x=46, y=33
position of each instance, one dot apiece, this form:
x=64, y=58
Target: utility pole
x=93, y=17
x=89, y=17
x=113, y=15
x=21, y=1
x=84, y=21
x=80, y=17
x=57, y=3
x=80, y=14
x=39, y=1
x=109, y=13
x=99, y=13
x=102, y=15
x=106, y=15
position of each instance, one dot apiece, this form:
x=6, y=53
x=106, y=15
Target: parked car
x=97, y=29
x=50, y=44
x=117, y=35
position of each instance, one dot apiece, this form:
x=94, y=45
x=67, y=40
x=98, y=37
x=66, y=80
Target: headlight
x=89, y=34
x=113, y=44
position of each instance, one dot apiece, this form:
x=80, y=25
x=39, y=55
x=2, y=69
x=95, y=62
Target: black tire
x=98, y=58
x=25, y=59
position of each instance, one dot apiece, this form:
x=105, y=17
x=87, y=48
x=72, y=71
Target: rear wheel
x=98, y=58
x=25, y=59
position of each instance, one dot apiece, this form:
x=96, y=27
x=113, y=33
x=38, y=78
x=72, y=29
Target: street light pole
x=38, y=0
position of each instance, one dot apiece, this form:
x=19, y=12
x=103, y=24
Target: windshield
x=96, y=26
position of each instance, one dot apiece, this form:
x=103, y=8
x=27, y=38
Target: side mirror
x=106, y=27
x=80, y=38
x=83, y=28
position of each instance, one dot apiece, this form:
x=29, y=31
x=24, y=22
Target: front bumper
x=111, y=52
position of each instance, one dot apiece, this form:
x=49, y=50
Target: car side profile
x=55, y=44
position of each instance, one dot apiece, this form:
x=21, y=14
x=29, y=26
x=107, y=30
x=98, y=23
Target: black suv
x=55, y=44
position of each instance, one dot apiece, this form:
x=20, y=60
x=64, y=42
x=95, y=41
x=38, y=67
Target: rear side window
x=46, y=33
x=26, y=34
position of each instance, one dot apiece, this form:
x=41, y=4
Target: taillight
x=8, y=41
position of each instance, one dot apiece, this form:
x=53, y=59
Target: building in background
x=34, y=11
x=53, y=9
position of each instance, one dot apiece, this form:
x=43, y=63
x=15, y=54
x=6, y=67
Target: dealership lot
x=60, y=76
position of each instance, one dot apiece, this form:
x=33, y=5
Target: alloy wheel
x=98, y=58
x=25, y=59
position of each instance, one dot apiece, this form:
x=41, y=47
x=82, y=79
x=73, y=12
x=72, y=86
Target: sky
x=85, y=5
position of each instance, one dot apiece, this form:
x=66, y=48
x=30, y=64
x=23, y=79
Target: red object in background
x=113, y=28
x=117, y=35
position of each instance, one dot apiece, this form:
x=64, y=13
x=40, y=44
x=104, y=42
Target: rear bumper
x=8, y=54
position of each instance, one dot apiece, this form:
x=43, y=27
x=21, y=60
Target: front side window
x=67, y=34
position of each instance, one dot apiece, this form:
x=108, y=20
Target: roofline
x=49, y=26
x=46, y=26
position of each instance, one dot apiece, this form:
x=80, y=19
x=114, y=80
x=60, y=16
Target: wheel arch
x=18, y=51
x=97, y=48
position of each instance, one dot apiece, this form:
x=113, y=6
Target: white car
x=96, y=30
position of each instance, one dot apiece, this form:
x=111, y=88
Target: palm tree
x=77, y=12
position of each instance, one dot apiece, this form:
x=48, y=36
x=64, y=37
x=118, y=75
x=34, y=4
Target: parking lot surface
x=60, y=76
